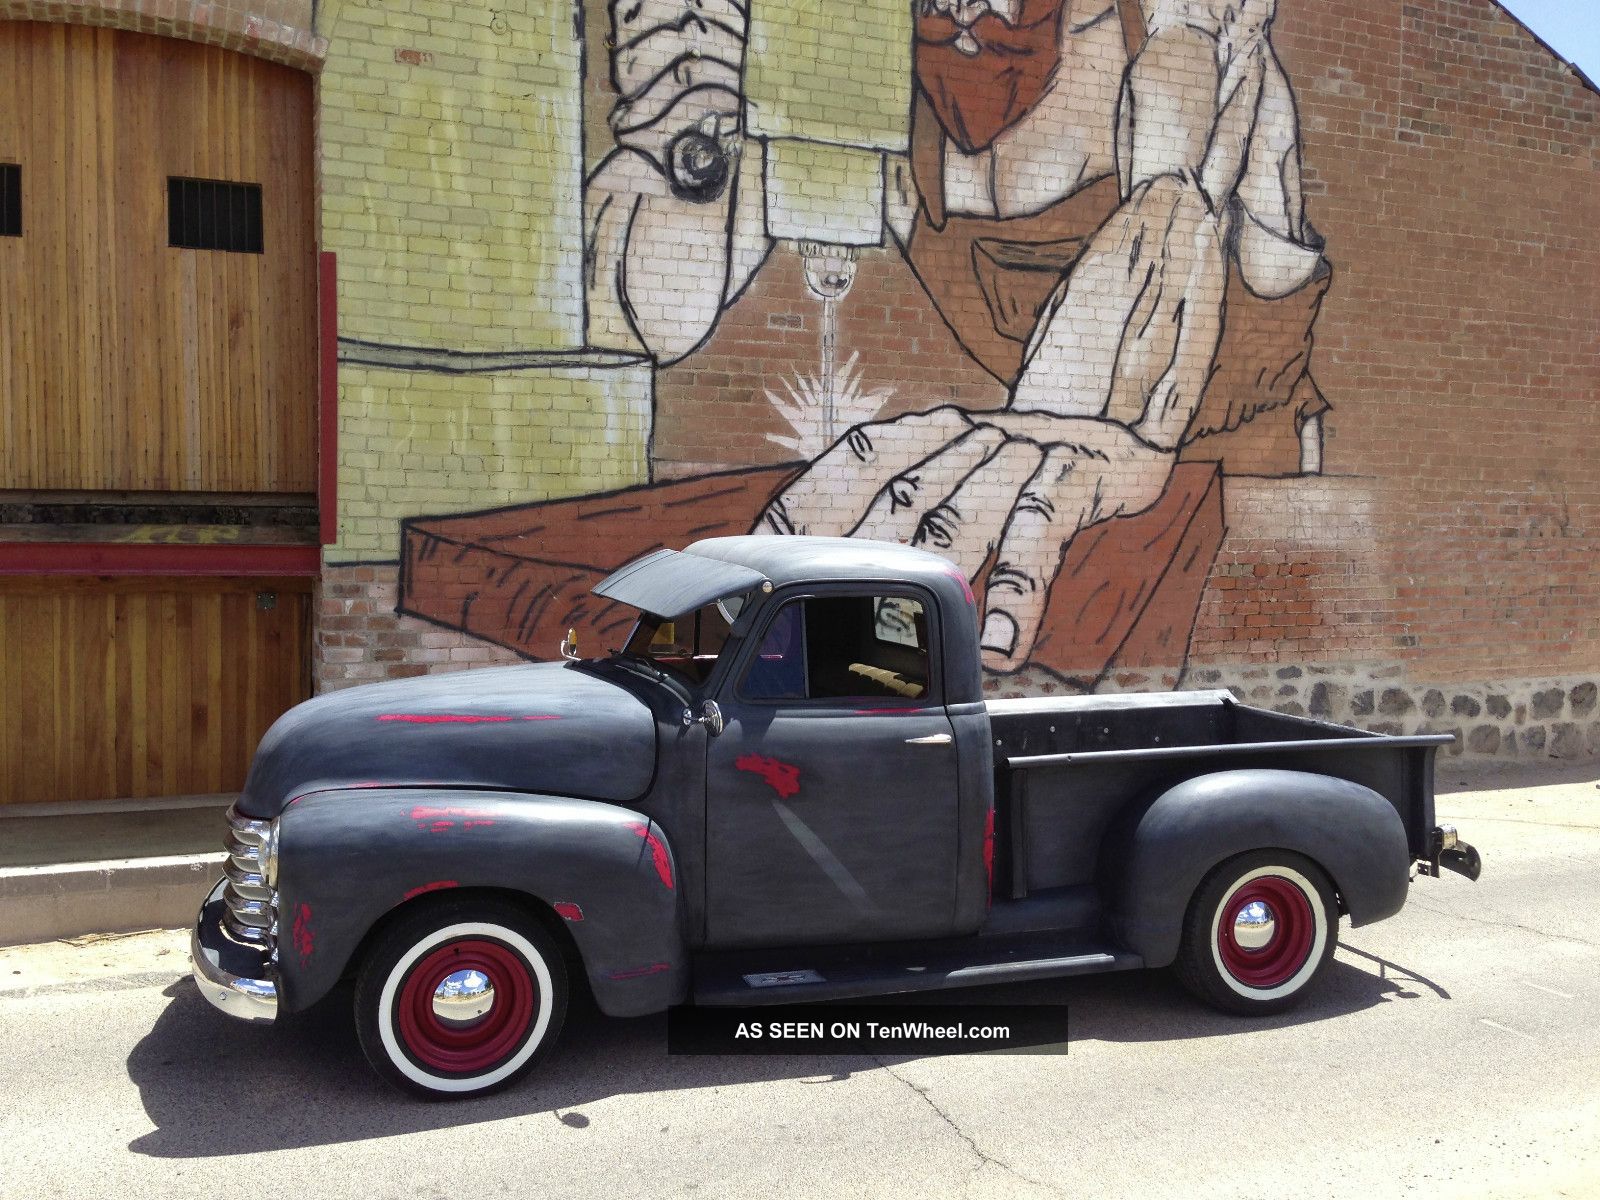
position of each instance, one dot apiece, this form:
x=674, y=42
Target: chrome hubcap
x=1254, y=926
x=463, y=998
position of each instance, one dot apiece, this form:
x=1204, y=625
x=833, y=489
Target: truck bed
x=1067, y=768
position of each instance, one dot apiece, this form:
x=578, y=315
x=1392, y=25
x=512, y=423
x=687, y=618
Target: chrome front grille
x=252, y=905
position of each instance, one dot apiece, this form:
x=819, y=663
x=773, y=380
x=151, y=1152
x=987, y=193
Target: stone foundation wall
x=1504, y=719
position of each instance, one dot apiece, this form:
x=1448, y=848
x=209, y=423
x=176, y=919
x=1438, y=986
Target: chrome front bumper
x=236, y=978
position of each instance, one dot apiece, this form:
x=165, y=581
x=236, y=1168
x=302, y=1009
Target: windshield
x=687, y=646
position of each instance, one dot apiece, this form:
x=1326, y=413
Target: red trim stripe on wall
x=328, y=397
x=98, y=558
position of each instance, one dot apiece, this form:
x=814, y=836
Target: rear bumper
x=1446, y=850
x=238, y=979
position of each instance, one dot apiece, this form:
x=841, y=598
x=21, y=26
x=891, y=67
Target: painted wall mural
x=1097, y=207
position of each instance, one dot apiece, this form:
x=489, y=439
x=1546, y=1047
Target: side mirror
x=569, y=646
x=710, y=716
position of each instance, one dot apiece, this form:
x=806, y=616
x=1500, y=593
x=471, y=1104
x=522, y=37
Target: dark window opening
x=842, y=647
x=10, y=200
x=205, y=214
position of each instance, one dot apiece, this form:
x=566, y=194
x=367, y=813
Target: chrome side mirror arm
x=710, y=716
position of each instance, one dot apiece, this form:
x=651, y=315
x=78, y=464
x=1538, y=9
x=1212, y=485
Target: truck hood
x=543, y=727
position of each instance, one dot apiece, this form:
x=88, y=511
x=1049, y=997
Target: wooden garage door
x=127, y=362
x=113, y=688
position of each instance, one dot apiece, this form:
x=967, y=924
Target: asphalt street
x=1451, y=1051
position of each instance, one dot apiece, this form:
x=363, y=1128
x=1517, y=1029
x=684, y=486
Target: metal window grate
x=10, y=200
x=206, y=214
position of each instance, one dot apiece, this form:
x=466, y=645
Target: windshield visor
x=670, y=583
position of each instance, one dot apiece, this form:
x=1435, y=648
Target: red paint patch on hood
x=658, y=852
x=438, y=885
x=437, y=820
x=884, y=712
x=460, y=718
x=781, y=777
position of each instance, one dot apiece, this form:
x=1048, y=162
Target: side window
x=778, y=671
x=842, y=647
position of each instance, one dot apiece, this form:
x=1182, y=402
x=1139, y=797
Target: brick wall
x=1401, y=401
x=280, y=30
x=361, y=640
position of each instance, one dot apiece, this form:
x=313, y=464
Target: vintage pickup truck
x=785, y=785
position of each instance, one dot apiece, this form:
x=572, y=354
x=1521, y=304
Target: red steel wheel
x=1260, y=929
x=1265, y=931
x=493, y=992
x=459, y=998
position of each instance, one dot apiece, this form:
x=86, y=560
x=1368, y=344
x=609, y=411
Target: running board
x=790, y=976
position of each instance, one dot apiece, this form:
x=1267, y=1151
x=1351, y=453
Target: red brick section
x=280, y=30
x=712, y=407
x=361, y=640
x=1451, y=163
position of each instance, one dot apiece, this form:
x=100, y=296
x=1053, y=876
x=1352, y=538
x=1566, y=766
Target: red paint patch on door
x=781, y=777
x=438, y=885
x=304, y=937
x=658, y=852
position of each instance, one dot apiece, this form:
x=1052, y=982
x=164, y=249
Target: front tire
x=1259, y=931
x=460, y=999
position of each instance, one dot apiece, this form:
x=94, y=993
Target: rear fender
x=350, y=857
x=1157, y=860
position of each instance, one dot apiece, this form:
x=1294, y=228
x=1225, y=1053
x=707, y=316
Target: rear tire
x=460, y=999
x=1259, y=932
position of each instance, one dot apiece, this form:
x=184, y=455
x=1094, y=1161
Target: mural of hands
x=999, y=493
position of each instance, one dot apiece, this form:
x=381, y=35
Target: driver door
x=831, y=794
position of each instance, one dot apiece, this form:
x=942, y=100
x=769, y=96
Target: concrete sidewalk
x=69, y=870
x=72, y=870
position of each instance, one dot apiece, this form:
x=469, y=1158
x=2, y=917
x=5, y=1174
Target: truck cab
x=839, y=720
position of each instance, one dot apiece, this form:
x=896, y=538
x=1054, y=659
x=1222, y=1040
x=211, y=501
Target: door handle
x=933, y=739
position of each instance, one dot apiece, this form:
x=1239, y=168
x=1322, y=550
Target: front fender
x=1351, y=831
x=349, y=857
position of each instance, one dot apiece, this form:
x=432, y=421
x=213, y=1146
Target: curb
x=40, y=904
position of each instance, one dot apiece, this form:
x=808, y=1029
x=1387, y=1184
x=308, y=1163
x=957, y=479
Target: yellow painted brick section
x=453, y=180
x=816, y=70
x=822, y=192
x=414, y=443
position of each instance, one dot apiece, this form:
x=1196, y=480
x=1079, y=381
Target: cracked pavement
x=1450, y=1052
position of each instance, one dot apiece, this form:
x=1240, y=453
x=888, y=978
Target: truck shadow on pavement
x=214, y=1087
